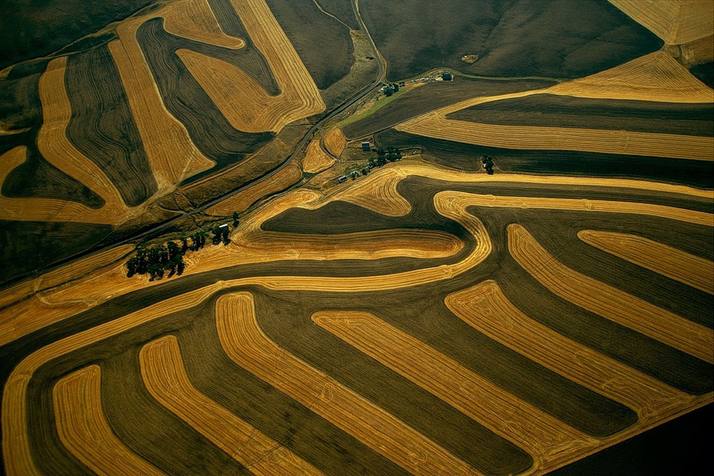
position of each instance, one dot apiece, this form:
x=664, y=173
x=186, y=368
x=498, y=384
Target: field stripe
x=169, y=149
x=545, y=437
x=43, y=209
x=166, y=379
x=622, y=142
x=485, y=308
x=254, y=110
x=658, y=257
x=609, y=302
x=674, y=21
x=246, y=344
x=316, y=160
x=195, y=20
x=377, y=192
x=84, y=430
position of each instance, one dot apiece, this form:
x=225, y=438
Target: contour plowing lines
x=168, y=146
x=333, y=343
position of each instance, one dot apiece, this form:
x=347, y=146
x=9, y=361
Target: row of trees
x=167, y=258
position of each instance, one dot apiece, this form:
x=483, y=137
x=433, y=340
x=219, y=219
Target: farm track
x=545, y=438
x=660, y=258
x=166, y=379
x=247, y=345
x=84, y=430
x=609, y=302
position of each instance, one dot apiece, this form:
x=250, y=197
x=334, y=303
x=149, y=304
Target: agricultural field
x=356, y=237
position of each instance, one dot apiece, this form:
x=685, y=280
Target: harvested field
x=565, y=38
x=609, y=302
x=208, y=128
x=572, y=112
x=59, y=151
x=171, y=153
x=434, y=95
x=335, y=141
x=45, y=209
x=167, y=381
x=273, y=183
x=545, y=438
x=194, y=19
x=256, y=111
x=485, y=308
x=675, y=21
x=75, y=270
x=246, y=344
x=84, y=430
x=316, y=159
x=378, y=192
x=660, y=258
x=653, y=77
x=101, y=126
x=323, y=42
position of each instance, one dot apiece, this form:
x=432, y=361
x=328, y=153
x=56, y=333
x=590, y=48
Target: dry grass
x=335, y=141
x=316, y=160
x=85, y=431
x=171, y=153
x=166, y=379
x=254, y=110
x=485, y=308
x=609, y=302
x=273, y=183
x=21, y=318
x=246, y=344
x=194, y=19
x=660, y=258
x=695, y=52
x=674, y=21
x=546, y=438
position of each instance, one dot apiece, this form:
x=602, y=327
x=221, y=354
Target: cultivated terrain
x=350, y=236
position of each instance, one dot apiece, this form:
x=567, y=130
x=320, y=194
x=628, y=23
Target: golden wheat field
x=284, y=238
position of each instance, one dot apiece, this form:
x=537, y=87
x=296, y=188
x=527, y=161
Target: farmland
x=350, y=237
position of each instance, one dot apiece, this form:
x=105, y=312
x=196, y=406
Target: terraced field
x=418, y=316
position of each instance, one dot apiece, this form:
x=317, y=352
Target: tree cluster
x=487, y=164
x=390, y=89
x=166, y=258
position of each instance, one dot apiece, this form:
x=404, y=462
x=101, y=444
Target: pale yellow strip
x=485, y=308
x=609, y=302
x=195, y=20
x=546, y=438
x=247, y=345
x=674, y=21
x=166, y=379
x=84, y=430
x=169, y=149
x=564, y=138
x=658, y=257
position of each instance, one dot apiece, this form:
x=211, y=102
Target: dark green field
x=549, y=110
x=32, y=28
x=554, y=38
